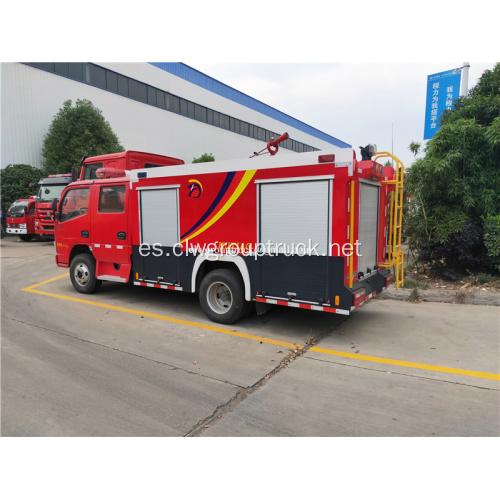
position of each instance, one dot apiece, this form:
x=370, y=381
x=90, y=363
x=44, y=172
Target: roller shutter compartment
x=368, y=226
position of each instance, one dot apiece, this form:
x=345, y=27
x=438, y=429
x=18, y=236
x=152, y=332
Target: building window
x=184, y=107
x=97, y=76
x=112, y=81
x=173, y=103
x=61, y=69
x=216, y=118
x=137, y=90
x=123, y=85
x=224, y=121
x=200, y=113
x=160, y=99
x=76, y=71
x=151, y=96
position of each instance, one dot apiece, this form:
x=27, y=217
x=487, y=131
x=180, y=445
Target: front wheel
x=222, y=296
x=82, y=274
x=26, y=237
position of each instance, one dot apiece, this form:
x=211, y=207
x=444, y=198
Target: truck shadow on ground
x=294, y=325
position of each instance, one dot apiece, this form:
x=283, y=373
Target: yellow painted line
x=409, y=364
x=234, y=333
x=28, y=289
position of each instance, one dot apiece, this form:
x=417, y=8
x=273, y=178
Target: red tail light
x=389, y=279
x=359, y=297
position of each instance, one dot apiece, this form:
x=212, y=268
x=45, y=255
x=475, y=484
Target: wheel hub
x=219, y=297
x=82, y=274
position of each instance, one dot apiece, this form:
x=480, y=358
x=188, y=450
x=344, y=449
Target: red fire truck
x=51, y=188
x=305, y=230
x=21, y=218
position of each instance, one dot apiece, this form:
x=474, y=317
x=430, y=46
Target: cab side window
x=112, y=199
x=75, y=203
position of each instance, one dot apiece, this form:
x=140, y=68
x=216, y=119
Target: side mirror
x=74, y=174
x=54, y=208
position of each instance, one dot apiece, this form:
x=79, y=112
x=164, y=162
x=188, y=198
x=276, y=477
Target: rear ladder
x=395, y=254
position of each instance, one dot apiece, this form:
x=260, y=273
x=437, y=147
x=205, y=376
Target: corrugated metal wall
x=30, y=98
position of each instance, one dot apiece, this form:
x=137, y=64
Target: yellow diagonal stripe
x=409, y=364
x=289, y=345
x=229, y=203
x=165, y=318
x=28, y=289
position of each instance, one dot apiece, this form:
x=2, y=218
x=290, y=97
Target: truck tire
x=26, y=237
x=82, y=274
x=222, y=296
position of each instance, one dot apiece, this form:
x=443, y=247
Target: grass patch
x=413, y=283
x=414, y=296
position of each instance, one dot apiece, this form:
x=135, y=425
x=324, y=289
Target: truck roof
x=135, y=154
x=343, y=157
x=54, y=181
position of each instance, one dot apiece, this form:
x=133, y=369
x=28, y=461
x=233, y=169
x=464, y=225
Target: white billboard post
x=465, y=79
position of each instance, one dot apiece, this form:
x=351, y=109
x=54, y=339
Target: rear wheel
x=26, y=237
x=82, y=274
x=222, y=296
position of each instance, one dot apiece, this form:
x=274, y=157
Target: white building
x=164, y=108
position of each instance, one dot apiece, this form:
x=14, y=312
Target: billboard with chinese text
x=442, y=89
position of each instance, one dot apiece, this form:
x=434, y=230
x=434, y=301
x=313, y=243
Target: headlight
x=36, y=223
x=22, y=226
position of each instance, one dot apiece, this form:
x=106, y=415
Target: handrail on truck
x=395, y=254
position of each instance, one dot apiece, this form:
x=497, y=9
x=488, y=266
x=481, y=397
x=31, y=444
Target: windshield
x=90, y=170
x=17, y=208
x=48, y=193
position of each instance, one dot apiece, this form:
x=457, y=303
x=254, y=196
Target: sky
x=382, y=104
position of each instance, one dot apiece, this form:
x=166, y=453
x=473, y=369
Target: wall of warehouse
x=30, y=98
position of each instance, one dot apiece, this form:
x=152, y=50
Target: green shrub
x=492, y=239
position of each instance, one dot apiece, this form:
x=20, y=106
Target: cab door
x=109, y=235
x=73, y=225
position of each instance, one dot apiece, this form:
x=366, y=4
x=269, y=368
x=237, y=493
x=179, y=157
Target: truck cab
x=21, y=218
x=127, y=160
x=50, y=188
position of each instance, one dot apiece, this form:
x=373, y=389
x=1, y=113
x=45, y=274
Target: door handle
x=85, y=234
x=121, y=235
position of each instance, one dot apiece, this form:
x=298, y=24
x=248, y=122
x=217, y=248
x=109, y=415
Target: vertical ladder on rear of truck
x=395, y=254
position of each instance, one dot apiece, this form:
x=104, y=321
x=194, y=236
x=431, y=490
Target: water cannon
x=273, y=145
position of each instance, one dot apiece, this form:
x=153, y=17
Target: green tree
x=15, y=181
x=77, y=131
x=414, y=147
x=204, y=158
x=456, y=185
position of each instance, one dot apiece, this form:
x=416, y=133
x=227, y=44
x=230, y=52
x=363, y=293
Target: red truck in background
x=228, y=230
x=50, y=188
x=21, y=218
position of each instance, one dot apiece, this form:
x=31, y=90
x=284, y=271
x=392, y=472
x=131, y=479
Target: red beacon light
x=107, y=172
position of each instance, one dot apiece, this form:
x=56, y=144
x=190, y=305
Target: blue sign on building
x=442, y=89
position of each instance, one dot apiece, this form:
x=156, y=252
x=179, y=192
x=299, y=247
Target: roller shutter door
x=293, y=213
x=368, y=226
x=159, y=217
